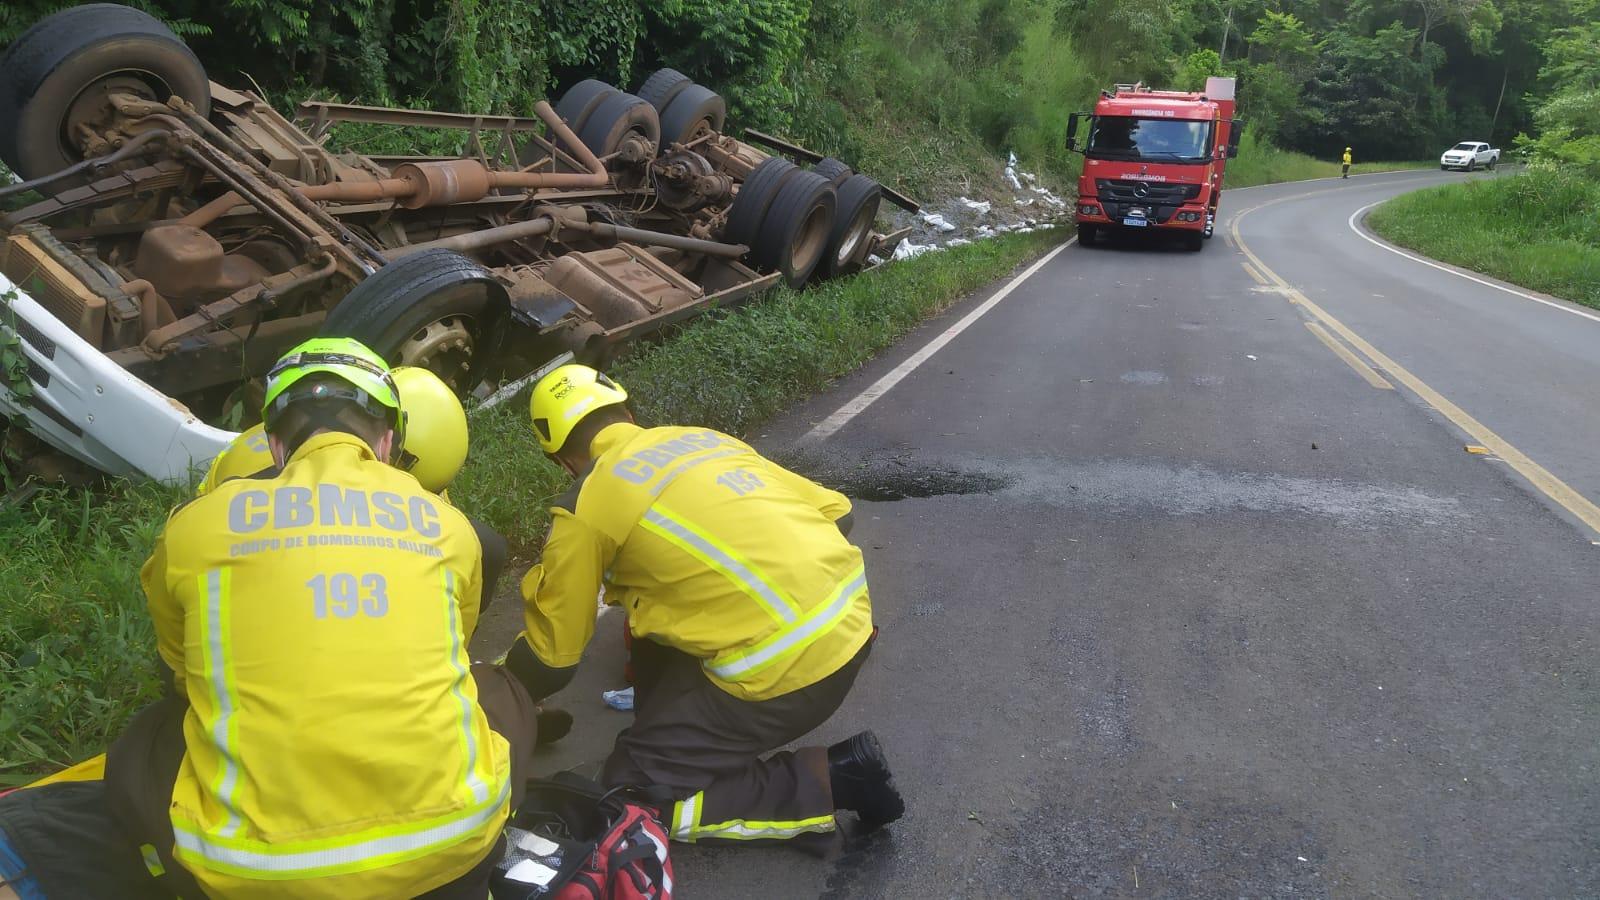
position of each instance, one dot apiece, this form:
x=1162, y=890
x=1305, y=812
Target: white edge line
x=878, y=388
x=1360, y=232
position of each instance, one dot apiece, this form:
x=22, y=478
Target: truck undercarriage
x=180, y=235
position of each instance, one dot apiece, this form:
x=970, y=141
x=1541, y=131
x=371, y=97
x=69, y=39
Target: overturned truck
x=172, y=237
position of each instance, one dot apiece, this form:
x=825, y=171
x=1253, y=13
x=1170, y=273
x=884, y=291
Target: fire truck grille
x=1154, y=192
x=1159, y=200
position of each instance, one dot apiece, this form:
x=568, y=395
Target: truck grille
x=1161, y=200
x=1156, y=192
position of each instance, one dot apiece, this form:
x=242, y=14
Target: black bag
x=60, y=841
x=573, y=840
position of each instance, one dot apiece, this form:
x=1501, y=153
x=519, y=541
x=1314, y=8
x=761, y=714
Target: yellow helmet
x=436, y=427
x=562, y=398
x=247, y=455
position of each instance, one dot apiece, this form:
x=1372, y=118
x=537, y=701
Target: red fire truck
x=1154, y=160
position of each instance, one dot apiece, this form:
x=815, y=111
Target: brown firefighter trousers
x=690, y=736
x=142, y=765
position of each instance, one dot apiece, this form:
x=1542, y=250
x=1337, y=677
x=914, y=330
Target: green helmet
x=370, y=385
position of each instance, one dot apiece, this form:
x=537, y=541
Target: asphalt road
x=1178, y=602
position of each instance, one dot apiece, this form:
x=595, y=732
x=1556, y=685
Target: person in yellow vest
x=1346, y=163
x=747, y=605
x=326, y=734
x=435, y=451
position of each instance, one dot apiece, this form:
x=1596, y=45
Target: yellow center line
x=1559, y=492
x=1354, y=361
x=1253, y=273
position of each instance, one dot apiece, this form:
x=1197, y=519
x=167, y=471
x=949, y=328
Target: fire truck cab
x=1154, y=160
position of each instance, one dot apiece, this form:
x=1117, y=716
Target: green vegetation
x=923, y=93
x=1538, y=230
x=77, y=653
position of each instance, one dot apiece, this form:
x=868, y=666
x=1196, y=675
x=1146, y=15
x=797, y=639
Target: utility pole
x=1503, y=78
x=1227, y=28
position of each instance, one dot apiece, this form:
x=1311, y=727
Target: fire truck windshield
x=1165, y=140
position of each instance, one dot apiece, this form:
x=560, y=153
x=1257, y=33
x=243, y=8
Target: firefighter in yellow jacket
x=326, y=734
x=435, y=451
x=747, y=604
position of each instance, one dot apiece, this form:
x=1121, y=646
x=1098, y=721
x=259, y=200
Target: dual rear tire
x=851, y=236
x=784, y=214
x=604, y=119
x=687, y=110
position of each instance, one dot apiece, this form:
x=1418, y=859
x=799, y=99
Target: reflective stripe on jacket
x=711, y=549
x=317, y=621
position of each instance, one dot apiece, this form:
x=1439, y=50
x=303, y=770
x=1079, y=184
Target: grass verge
x=77, y=652
x=1262, y=163
x=1537, y=229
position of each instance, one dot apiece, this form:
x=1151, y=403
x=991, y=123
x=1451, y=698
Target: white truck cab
x=92, y=409
x=1469, y=155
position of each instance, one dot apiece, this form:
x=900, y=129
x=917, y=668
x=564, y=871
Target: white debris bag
x=1011, y=172
x=981, y=207
x=938, y=222
x=908, y=250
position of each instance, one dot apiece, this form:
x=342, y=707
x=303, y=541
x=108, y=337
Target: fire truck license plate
x=1138, y=221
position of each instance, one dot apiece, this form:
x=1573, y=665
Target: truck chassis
x=177, y=236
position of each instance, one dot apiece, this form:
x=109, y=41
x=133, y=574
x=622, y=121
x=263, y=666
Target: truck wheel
x=55, y=80
x=832, y=169
x=1491, y=164
x=794, y=234
x=436, y=309
x=580, y=100
x=615, y=118
x=1194, y=241
x=1086, y=234
x=662, y=86
x=693, y=112
x=750, y=204
x=1472, y=164
x=850, y=237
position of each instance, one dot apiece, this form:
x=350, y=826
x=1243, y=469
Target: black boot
x=859, y=774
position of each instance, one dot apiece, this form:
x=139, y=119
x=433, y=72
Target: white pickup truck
x=1469, y=155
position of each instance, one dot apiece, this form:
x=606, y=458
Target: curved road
x=1189, y=589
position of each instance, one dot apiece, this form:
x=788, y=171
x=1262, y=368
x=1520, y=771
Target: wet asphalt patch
x=887, y=478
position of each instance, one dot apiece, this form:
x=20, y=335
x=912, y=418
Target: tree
x=1284, y=41
x=1196, y=68
x=1437, y=11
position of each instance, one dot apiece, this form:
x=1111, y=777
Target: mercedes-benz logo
x=1141, y=190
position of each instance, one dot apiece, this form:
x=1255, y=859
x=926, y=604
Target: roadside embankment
x=1537, y=229
x=77, y=652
